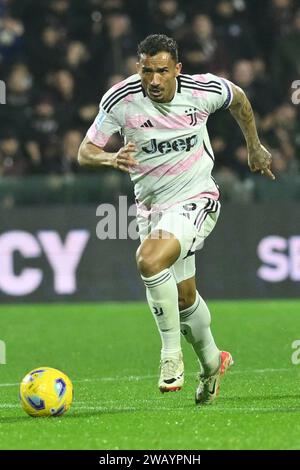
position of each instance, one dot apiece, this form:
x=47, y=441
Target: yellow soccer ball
x=46, y=392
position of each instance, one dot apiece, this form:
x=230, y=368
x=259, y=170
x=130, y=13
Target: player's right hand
x=123, y=160
x=260, y=159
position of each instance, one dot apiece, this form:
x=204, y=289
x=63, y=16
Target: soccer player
x=162, y=115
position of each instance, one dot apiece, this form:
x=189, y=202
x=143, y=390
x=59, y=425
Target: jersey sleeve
x=104, y=125
x=219, y=92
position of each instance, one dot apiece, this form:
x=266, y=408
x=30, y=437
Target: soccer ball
x=46, y=392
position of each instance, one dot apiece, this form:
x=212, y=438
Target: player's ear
x=178, y=68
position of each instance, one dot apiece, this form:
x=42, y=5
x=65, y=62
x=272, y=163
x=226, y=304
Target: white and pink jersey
x=174, y=152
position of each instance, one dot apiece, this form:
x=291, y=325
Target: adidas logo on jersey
x=147, y=123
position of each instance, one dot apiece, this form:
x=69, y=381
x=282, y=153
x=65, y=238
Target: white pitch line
x=8, y=405
x=224, y=409
x=150, y=377
x=189, y=374
x=8, y=385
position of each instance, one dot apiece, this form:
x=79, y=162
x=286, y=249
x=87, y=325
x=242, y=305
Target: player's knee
x=148, y=265
x=186, y=300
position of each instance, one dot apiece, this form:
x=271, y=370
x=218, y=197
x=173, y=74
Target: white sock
x=162, y=296
x=195, y=326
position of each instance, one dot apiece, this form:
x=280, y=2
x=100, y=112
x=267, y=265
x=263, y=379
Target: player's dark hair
x=156, y=43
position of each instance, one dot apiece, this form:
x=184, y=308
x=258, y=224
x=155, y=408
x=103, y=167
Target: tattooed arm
x=259, y=159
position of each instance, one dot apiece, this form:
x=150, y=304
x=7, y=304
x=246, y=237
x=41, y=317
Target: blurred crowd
x=57, y=58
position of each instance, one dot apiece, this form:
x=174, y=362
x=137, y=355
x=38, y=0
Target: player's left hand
x=260, y=159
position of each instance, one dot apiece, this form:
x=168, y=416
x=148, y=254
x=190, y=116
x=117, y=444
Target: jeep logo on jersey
x=178, y=145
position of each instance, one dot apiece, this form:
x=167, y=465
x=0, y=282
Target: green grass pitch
x=111, y=353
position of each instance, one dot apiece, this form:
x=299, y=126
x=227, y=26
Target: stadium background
x=57, y=58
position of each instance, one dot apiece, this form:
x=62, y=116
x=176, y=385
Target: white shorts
x=190, y=222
